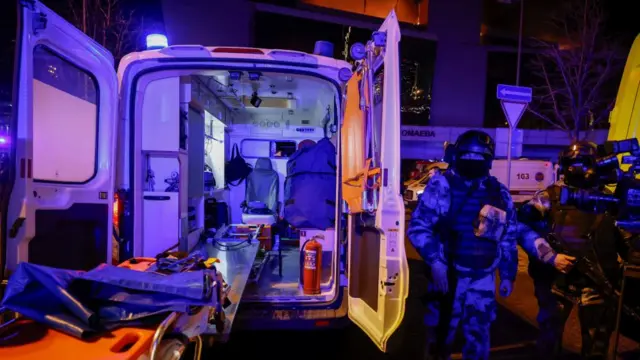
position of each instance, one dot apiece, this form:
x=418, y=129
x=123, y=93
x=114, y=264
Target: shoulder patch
x=438, y=181
x=437, y=194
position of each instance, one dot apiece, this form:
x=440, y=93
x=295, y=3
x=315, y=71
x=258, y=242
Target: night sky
x=500, y=18
x=150, y=9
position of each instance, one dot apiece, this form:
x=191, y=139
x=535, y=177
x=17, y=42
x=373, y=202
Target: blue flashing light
x=324, y=48
x=344, y=74
x=156, y=41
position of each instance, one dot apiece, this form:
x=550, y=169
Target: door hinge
x=39, y=22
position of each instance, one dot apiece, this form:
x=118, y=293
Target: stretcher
x=24, y=339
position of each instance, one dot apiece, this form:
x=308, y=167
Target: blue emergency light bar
x=156, y=41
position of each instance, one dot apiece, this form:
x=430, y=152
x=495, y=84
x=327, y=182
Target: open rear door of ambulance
x=59, y=203
x=377, y=266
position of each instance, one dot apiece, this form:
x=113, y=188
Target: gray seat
x=261, y=205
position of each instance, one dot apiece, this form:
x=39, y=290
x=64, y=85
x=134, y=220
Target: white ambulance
x=527, y=177
x=84, y=135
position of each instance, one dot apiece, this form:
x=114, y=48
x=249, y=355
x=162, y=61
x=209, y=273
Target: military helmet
x=578, y=164
x=578, y=151
x=476, y=141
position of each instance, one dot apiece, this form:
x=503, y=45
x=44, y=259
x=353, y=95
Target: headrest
x=263, y=164
x=306, y=144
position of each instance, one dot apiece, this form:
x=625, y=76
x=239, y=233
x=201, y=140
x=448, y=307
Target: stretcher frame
x=142, y=343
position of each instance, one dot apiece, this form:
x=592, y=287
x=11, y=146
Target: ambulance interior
x=267, y=117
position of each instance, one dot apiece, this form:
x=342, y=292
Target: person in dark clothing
x=464, y=227
x=594, y=240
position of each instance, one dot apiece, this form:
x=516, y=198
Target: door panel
x=378, y=268
x=59, y=208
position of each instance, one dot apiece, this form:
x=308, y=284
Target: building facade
x=447, y=55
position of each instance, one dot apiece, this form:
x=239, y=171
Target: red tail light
x=117, y=210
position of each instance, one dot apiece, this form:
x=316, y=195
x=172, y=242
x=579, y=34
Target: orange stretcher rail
x=24, y=339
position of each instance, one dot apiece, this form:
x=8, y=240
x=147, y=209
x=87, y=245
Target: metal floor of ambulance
x=271, y=285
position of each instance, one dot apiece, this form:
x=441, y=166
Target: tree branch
x=575, y=76
x=108, y=24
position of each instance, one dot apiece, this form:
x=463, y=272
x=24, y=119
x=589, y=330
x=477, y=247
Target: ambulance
x=107, y=166
x=527, y=177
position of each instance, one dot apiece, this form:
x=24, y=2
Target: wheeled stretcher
x=22, y=338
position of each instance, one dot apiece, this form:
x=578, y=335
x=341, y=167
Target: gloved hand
x=506, y=287
x=439, y=277
x=563, y=263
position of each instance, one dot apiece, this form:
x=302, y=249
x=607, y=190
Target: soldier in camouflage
x=465, y=228
x=540, y=251
x=594, y=238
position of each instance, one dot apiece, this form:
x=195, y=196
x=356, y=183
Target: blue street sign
x=514, y=93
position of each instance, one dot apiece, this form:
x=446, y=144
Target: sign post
x=514, y=101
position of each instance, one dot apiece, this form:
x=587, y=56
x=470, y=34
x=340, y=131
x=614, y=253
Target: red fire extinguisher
x=311, y=261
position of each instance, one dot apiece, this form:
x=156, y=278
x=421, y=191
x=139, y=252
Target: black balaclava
x=471, y=166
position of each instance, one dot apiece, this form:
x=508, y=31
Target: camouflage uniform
x=557, y=293
x=470, y=301
x=534, y=245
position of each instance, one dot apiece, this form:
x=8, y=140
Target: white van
x=84, y=135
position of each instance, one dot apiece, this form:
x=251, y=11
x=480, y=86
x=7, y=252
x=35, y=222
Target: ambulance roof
x=195, y=52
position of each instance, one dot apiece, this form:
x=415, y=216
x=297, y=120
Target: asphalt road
x=512, y=337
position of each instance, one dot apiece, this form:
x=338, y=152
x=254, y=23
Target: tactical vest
x=461, y=245
x=582, y=234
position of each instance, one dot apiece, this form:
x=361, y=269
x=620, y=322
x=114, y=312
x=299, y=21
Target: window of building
x=65, y=119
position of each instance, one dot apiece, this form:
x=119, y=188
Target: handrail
x=159, y=334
